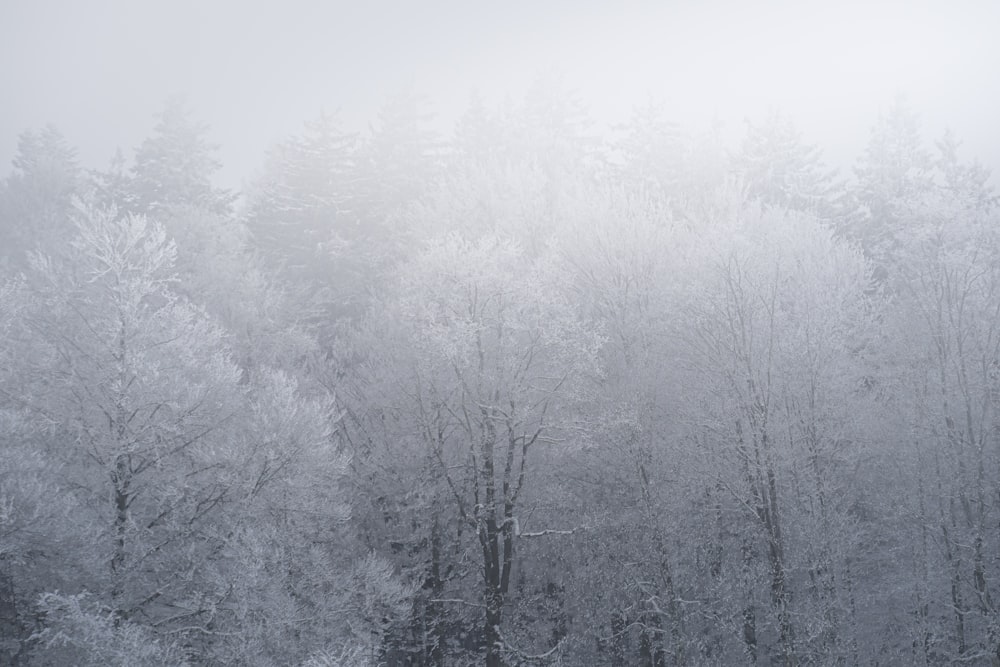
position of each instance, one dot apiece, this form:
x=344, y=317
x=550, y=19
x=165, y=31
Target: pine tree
x=967, y=183
x=303, y=222
x=397, y=161
x=113, y=186
x=36, y=198
x=780, y=171
x=302, y=208
x=651, y=150
x=894, y=173
x=174, y=167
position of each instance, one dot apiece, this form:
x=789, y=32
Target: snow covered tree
x=35, y=199
x=137, y=380
x=945, y=319
x=302, y=207
x=303, y=222
x=775, y=324
x=683, y=168
x=174, y=167
x=496, y=359
x=894, y=173
x=184, y=474
x=652, y=150
x=963, y=182
x=396, y=161
x=113, y=186
x=779, y=170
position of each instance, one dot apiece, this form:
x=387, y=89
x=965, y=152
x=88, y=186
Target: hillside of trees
x=519, y=394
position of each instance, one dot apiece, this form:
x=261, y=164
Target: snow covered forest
x=519, y=393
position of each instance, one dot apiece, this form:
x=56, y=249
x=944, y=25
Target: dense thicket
x=519, y=395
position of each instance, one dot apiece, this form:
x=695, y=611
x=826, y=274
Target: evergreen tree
x=304, y=225
x=680, y=168
x=780, y=171
x=894, y=172
x=651, y=150
x=478, y=135
x=174, y=167
x=113, y=186
x=968, y=183
x=555, y=128
x=36, y=198
x=302, y=208
x=397, y=161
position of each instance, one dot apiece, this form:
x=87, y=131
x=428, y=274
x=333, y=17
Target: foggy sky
x=100, y=69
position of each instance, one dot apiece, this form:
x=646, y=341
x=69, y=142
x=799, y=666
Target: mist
x=254, y=72
x=417, y=335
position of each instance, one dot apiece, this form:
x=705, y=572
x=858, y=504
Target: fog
x=597, y=364
x=255, y=71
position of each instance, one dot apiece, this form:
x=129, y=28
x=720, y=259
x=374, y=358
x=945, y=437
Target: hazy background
x=254, y=71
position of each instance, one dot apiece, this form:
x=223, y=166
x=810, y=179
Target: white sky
x=100, y=69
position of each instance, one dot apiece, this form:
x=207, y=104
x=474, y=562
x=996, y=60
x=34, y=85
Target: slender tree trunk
x=435, y=610
x=923, y=577
x=957, y=603
x=495, y=568
x=749, y=610
x=776, y=555
x=651, y=653
x=120, y=481
x=618, y=640
x=121, y=476
x=494, y=611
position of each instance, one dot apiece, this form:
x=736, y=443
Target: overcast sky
x=100, y=69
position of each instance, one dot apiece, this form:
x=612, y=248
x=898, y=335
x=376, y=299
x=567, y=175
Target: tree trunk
x=749, y=612
x=121, y=481
x=434, y=654
x=618, y=640
x=494, y=611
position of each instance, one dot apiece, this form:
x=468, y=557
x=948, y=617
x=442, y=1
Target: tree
x=652, y=150
x=774, y=335
x=780, y=171
x=185, y=475
x=893, y=174
x=174, y=167
x=502, y=360
x=303, y=204
x=139, y=381
x=517, y=171
x=624, y=486
x=304, y=223
x=113, y=187
x=946, y=316
x=397, y=160
x=36, y=198
x=35, y=516
x=966, y=183
x=681, y=168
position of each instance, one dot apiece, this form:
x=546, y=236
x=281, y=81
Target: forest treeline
x=516, y=395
